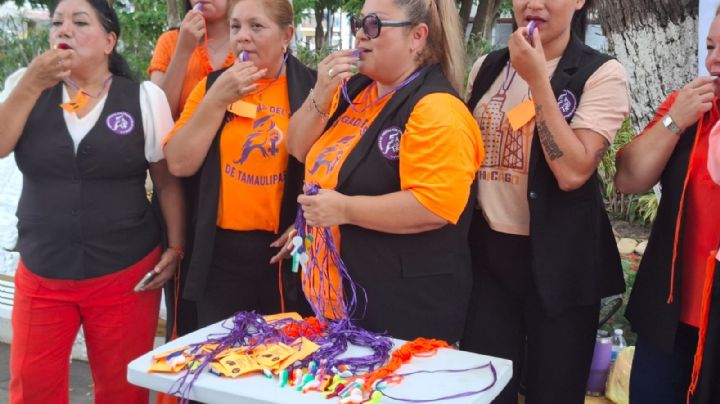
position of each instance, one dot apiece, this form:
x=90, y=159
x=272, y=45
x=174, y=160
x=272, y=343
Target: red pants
x=119, y=326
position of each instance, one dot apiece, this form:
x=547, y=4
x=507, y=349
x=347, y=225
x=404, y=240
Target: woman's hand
x=335, y=68
x=692, y=102
x=235, y=82
x=326, y=208
x=285, y=244
x=528, y=59
x=165, y=269
x=48, y=69
x=192, y=30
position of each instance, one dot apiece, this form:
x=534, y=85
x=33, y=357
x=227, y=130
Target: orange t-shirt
x=253, y=158
x=439, y=153
x=197, y=68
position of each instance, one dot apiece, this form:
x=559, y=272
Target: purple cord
x=459, y=395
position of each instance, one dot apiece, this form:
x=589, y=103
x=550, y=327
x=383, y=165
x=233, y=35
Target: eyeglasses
x=372, y=24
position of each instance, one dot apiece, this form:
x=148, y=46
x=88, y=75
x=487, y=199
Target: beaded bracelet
x=323, y=115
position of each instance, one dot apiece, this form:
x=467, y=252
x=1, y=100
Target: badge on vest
x=567, y=103
x=121, y=123
x=389, y=143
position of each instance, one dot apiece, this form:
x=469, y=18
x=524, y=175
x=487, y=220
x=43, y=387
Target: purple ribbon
x=394, y=89
x=458, y=395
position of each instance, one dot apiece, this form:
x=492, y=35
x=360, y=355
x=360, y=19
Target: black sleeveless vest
x=204, y=191
x=650, y=314
x=88, y=215
x=575, y=260
x=418, y=285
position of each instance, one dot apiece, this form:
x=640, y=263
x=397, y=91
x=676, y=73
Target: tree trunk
x=485, y=16
x=656, y=41
x=319, y=32
x=173, y=14
x=465, y=9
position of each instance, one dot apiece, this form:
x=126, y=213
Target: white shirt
x=156, y=116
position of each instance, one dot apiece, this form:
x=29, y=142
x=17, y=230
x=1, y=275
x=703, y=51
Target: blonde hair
x=444, y=42
x=280, y=11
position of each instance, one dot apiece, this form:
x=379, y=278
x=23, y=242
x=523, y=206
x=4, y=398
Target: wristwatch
x=668, y=122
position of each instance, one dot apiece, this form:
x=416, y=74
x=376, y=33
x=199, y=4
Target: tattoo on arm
x=546, y=138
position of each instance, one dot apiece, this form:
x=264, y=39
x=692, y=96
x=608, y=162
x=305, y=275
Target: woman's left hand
x=326, y=208
x=285, y=244
x=528, y=59
x=165, y=269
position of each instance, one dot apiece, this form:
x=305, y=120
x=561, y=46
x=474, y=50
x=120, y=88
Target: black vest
x=418, y=285
x=88, y=215
x=575, y=260
x=651, y=316
x=204, y=187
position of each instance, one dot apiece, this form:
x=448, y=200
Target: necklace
x=375, y=101
x=72, y=83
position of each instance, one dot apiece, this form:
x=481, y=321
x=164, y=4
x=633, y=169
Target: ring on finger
x=331, y=72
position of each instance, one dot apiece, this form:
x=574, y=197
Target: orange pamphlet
x=76, y=103
x=243, y=109
x=306, y=348
x=270, y=356
x=521, y=114
x=237, y=365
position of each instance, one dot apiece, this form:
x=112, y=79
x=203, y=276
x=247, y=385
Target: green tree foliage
x=141, y=26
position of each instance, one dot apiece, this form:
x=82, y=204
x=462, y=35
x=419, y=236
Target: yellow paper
x=168, y=353
x=271, y=357
x=282, y=316
x=161, y=366
x=237, y=365
x=243, y=109
x=76, y=103
x=521, y=114
x=306, y=348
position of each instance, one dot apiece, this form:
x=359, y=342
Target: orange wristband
x=178, y=250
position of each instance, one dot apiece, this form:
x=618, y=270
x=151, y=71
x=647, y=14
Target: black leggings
x=551, y=355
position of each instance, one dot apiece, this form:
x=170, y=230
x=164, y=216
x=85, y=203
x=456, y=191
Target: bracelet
x=179, y=251
x=323, y=115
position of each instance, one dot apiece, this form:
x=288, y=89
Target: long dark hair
x=109, y=20
x=579, y=23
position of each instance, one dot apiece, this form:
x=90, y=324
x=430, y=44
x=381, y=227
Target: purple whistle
x=530, y=28
x=356, y=53
x=198, y=6
x=244, y=56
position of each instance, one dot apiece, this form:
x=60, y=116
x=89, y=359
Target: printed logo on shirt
x=389, y=143
x=331, y=155
x=121, y=123
x=265, y=139
x=567, y=103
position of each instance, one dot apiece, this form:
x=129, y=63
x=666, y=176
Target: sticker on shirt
x=265, y=139
x=567, y=103
x=332, y=155
x=121, y=123
x=389, y=142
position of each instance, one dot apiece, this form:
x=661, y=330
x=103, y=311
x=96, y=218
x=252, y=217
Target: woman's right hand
x=235, y=82
x=692, y=102
x=331, y=71
x=48, y=69
x=192, y=30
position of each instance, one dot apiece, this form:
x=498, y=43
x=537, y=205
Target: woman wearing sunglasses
x=394, y=152
x=543, y=249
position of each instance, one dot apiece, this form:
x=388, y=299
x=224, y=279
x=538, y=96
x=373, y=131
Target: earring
x=284, y=48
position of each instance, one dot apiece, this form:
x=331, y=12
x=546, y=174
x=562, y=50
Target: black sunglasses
x=371, y=25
